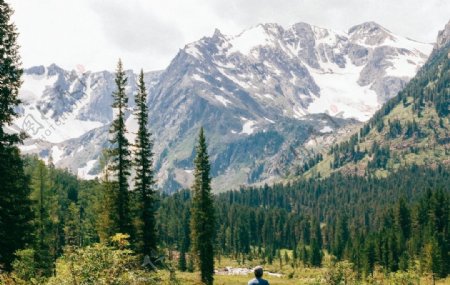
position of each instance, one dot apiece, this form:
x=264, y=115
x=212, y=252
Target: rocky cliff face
x=268, y=98
x=443, y=38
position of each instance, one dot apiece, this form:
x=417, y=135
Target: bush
x=24, y=265
x=101, y=264
x=341, y=273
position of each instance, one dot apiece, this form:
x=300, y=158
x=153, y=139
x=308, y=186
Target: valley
x=293, y=153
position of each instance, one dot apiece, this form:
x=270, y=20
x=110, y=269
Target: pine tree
x=341, y=237
x=369, y=258
x=72, y=228
x=120, y=154
x=203, y=214
x=15, y=205
x=106, y=203
x=316, y=254
x=144, y=180
x=316, y=246
x=45, y=207
x=182, y=264
x=184, y=240
x=10, y=73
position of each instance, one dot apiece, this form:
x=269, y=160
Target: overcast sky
x=148, y=33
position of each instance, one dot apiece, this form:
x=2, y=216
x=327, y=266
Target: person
x=258, y=277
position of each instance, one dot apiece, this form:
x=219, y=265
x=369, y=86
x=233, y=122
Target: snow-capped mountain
x=267, y=98
x=305, y=69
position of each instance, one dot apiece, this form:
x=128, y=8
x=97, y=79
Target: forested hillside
x=413, y=127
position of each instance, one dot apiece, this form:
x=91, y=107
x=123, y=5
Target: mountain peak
x=369, y=33
x=258, y=35
x=217, y=34
x=367, y=27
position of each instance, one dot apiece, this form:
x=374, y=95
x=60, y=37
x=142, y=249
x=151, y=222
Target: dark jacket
x=258, y=281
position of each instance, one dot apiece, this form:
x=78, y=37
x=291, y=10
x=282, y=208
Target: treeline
x=391, y=222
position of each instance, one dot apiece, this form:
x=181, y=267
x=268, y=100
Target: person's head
x=258, y=271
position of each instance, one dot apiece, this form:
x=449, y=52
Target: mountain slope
x=412, y=128
x=272, y=79
x=269, y=98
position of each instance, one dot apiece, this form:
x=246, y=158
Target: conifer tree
x=72, y=227
x=316, y=254
x=10, y=73
x=45, y=207
x=341, y=237
x=316, y=246
x=184, y=241
x=203, y=214
x=15, y=205
x=369, y=258
x=144, y=179
x=120, y=154
x=105, y=206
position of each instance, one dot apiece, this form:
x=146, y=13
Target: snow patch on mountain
x=248, y=126
x=197, y=77
x=132, y=127
x=249, y=39
x=34, y=85
x=403, y=66
x=326, y=129
x=222, y=100
x=193, y=50
x=409, y=44
x=340, y=93
x=46, y=128
x=83, y=172
x=27, y=148
x=56, y=153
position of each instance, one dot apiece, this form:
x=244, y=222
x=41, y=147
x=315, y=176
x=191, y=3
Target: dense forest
x=387, y=220
x=395, y=223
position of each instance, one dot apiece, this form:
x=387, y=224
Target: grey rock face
x=369, y=33
x=443, y=38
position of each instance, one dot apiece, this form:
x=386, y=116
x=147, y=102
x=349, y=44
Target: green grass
x=299, y=275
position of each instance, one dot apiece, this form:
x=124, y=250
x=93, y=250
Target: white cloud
x=148, y=33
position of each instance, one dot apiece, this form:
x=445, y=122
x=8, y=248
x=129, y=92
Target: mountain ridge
x=266, y=97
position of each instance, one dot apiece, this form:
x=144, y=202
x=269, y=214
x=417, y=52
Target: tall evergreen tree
x=316, y=246
x=15, y=205
x=10, y=73
x=342, y=237
x=105, y=206
x=45, y=208
x=316, y=254
x=203, y=214
x=144, y=179
x=120, y=154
